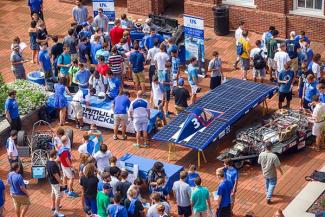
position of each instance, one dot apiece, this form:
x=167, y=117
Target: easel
x=172, y=151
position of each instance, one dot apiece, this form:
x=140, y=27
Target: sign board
x=100, y=117
x=108, y=8
x=133, y=170
x=194, y=40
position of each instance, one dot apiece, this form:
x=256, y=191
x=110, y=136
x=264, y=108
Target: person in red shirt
x=116, y=33
x=102, y=67
x=66, y=165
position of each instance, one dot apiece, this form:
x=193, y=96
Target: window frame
x=241, y=3
x=308, y=11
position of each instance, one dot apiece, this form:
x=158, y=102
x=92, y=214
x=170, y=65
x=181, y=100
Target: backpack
x=316, y=176
x=259, y=61
x=239, y=49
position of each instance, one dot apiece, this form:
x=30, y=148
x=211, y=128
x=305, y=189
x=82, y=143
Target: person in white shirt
x=318, y=118
x=150, y=59
x=238, y=35
x=140, y=115
x=57, y=139
x=98, y=82
x=152, y=211
x=315, y=66
x=158, y=97
x=102, y=158
x=257, y=70
x=161, y=58
x=281, y=58
x=82, y=96
x=11, y=148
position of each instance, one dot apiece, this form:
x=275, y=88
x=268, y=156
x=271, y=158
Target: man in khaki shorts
x=18, y=191
x=120, y=106
x=82, y=96
x=54, y=177
x=137, y=66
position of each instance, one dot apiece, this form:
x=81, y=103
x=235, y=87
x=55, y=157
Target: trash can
x=221, y=20
x=36, y=77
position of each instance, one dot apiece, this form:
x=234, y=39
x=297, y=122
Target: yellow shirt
x=246, y=48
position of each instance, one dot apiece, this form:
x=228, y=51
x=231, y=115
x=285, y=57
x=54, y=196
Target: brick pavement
x=250, y=196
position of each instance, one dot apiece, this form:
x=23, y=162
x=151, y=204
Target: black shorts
x=185, y=210
x=224, y=211
x=15, y=124
x=283, y=96
x=306, y=104
x=167, y=95
x=215, y=82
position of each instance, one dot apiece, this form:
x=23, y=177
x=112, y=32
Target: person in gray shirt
x=17, y=63
x=182, y=193
x=101, y=20
x=269, y=163
x=80, y=12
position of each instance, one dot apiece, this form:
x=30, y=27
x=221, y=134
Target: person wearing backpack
x=266, y=37
x=259, y=63
x=243, y=48
x=293, y=48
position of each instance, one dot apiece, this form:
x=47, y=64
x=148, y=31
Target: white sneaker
x=58, y=214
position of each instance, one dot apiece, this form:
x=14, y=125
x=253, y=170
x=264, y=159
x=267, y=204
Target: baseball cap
x=107, y=186
x=84, y=24
x=181, y=81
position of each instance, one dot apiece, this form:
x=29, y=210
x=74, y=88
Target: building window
x=310, y=4
x=243, y=3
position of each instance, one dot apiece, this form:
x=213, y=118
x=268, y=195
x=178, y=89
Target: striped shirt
x=115, y=63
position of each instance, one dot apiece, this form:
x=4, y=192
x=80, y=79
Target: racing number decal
x=196, y=123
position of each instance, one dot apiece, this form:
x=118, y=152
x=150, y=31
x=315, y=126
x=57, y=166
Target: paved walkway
x=250, y=196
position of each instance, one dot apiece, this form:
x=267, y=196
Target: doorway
x=174, y=8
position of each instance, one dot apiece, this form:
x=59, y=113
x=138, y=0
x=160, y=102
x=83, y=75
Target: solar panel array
x=234, y=98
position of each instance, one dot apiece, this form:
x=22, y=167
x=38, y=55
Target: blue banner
x=194, y=41
x=108, y=8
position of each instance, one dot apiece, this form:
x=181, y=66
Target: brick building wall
x=257, y=19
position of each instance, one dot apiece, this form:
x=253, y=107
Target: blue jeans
x=270, y=184
x=91, y=205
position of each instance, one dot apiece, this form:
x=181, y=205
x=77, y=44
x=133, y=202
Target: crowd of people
x=98, y=58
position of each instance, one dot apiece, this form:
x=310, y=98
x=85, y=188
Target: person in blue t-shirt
x=164, y=77
x=137, y=61
x=94, y=47
x=116, y=209
x=321, y=90
x=114, y=85
x=192, y=174
x=64, y=62
x=285, y=80
x=84, y=50
x=171, y=46
x=150, y=40
x=223, y=194
x=310, y=90
x=193, y=78
x=12, y=111
x=45, y=61
x=293, y=48
x=176, y=63
x=2, y=197
x=82, y=76
x=18, y=190
x=36, y=6
x=303, y=37
x=120, y=107
x=85, y=32
x=231, y=174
